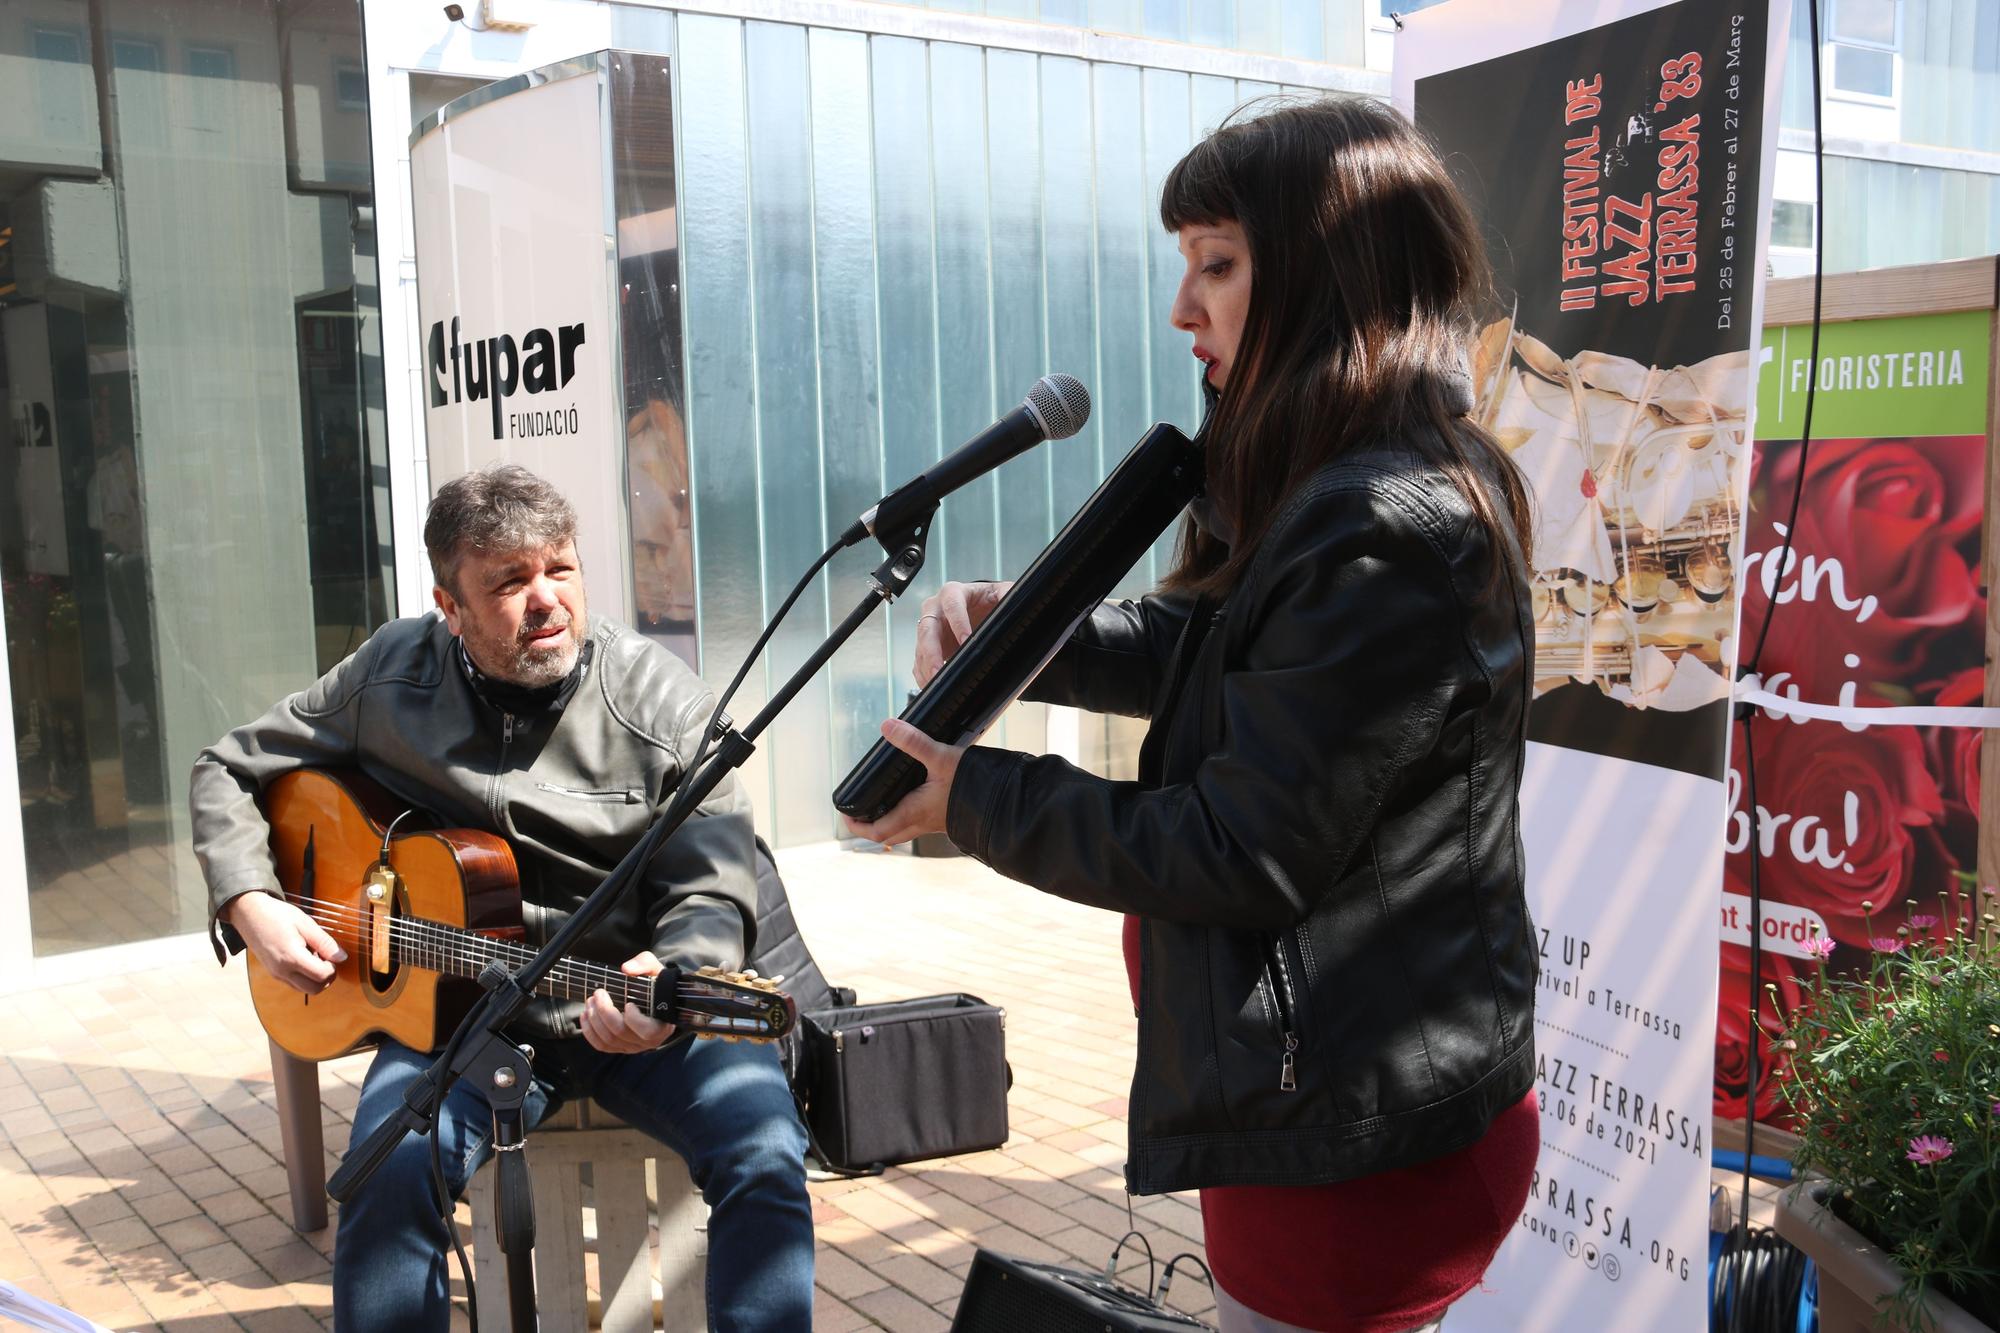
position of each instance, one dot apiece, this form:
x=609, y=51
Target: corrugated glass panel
x=781, y=269
x=906, y=303
x=1123, y=220
x=1258, y=25
x=722, y=390
x=966, y=546
x=1172, y=380
x=1214, y=99
x=886, y=242
x=1020, y=356
x=849, y=375
x=1303, y=25
x=1214, y=23
x=1067, y=210
x=1167, y=19
x=1117, y=15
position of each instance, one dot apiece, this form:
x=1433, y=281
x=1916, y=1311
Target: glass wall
x=194, y=516
x=885, y=242
x=1913, y=162
x=1328, y=30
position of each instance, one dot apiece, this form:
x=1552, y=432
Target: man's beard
x=517, y=662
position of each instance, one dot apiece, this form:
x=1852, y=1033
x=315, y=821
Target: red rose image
x=1732, y=1033
x=1954, y=751
x=1893, y=520
x=1843, y=814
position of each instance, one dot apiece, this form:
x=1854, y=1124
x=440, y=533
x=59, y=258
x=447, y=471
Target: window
x=211, y=62
x=1863, y=49
x=63, y=45
x=159, y=586
x=135, y=53
x=1792, y=223
x=65, y=86
x=350, y=86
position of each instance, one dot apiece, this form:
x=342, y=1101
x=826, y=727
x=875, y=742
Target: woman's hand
x=923, y=810
x=947, y=621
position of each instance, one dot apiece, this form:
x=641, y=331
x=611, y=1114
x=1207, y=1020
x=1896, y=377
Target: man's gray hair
x=500, y=508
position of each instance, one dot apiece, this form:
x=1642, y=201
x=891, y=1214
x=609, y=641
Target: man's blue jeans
x=724, y=1107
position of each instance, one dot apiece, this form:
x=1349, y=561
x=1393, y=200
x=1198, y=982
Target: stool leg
x=297, y=1084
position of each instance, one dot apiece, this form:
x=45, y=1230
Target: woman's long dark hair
x=1365, y=266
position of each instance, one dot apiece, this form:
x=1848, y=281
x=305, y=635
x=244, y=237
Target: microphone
x=1054, y=409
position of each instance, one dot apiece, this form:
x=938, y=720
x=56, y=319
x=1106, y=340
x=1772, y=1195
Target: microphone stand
x=479, y=1050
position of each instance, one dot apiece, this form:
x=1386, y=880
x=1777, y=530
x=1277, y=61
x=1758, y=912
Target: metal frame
x=573, y=67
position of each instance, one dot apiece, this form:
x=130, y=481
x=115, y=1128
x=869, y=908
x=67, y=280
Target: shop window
x=1792, y=223
x=1864, y=49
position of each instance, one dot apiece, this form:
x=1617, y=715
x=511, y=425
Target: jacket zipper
x=629, y=796
x=1278, y=969
x=493, y=806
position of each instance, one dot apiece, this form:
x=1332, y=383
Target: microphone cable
x=1755, y=1265
x=1758, y=1282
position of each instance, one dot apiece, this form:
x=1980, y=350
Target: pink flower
x=1922, y=921
x=1929, y=1149
x=1886, y=944
x=1941, y=1057
x=1820, y=948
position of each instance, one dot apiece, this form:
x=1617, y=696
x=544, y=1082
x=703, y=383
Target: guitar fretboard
x=458, y=952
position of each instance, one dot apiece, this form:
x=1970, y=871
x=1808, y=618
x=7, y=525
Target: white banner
x=1619, y=154
x=514, y=261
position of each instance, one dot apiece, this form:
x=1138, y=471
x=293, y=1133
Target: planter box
x=1855, y=1276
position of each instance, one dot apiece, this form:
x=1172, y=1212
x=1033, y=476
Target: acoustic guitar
x=421, y=912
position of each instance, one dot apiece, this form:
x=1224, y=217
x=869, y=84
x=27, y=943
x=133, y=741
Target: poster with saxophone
x=1618, y=154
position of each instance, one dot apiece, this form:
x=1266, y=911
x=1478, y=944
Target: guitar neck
x=461, y=953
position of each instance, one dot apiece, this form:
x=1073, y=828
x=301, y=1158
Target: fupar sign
x=516, y=257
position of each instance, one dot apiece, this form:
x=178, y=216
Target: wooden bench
x=598, y=1186
x=630, y=1174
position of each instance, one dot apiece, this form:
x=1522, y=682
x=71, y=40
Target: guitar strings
x=440, y=942
x=444, y=942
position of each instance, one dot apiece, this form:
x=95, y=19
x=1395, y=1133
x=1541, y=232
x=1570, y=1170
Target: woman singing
x=1320, y=861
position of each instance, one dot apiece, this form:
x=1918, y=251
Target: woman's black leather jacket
x=1337, y=968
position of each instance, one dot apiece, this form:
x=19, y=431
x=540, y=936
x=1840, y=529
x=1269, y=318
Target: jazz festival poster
x=1618, y=154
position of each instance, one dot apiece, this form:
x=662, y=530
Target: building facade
x=891, y=221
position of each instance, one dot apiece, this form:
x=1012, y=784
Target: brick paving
x=141, y=1180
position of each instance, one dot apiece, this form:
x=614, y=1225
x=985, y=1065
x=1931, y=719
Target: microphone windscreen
x=1061, y=404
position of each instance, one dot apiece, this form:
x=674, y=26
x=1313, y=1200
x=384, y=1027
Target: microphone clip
x=906, y=546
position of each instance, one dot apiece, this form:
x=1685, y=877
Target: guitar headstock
x=735, y=1006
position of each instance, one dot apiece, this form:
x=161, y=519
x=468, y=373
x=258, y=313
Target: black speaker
x=1004, y=1295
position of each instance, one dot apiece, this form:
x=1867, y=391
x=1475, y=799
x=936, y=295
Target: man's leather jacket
x=1336, y=965
x=571, y=789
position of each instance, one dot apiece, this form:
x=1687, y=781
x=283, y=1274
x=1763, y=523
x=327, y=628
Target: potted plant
x=1895, y=1082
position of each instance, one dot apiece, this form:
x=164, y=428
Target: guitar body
x=326, y=836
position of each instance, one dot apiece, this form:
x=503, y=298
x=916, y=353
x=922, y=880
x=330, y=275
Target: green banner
x=1879, y=379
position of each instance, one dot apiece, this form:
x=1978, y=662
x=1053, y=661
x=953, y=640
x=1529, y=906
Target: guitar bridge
x=379, y=889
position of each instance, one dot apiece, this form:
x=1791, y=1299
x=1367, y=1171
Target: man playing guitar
x=512, y=712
